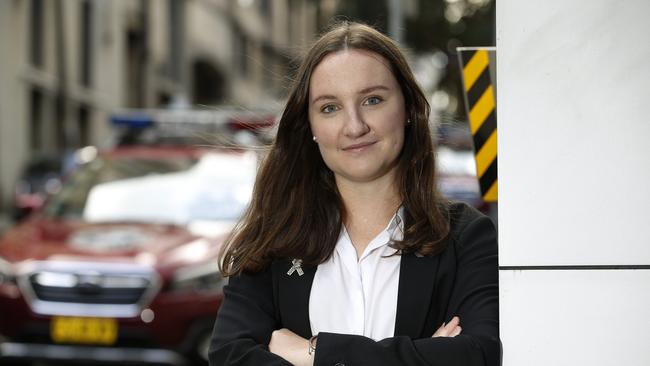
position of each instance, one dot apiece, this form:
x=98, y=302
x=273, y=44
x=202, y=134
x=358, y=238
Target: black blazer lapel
x=417, y=278
x=416, y=287
x=293, y=297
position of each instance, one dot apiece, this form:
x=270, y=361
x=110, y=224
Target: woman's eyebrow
x=373, y=88
x=362, y=91
x=323, y=97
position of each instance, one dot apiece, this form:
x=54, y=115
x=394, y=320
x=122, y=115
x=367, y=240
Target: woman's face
x=357, y=114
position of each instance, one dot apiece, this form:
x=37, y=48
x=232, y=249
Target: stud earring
x=314, y=138
x=408, y=121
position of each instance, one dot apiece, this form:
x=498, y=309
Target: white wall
x=574, y=181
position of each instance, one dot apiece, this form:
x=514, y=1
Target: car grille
x=96, y=288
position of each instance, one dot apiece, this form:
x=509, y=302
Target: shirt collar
x=394, y=231
x=396, y=225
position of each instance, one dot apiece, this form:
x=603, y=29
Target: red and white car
x=121, y=264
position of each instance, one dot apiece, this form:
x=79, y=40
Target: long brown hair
x=296, y=210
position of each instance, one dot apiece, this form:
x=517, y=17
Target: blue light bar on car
x=132, y=120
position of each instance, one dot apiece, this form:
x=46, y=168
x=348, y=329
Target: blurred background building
x=65, y=65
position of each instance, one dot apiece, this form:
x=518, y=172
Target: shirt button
x=339, y=364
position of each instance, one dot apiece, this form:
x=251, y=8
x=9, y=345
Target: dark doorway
x=208, y=84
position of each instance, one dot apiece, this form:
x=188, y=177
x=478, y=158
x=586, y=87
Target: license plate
x=83, y=330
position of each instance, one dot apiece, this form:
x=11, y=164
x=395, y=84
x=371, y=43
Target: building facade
x=65, y=65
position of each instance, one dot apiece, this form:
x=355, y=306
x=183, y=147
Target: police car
x=120, y=265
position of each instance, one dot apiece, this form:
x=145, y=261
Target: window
x=36, y=119
x=36, y=33
x=240, y=52
x=266, y=9
x=175, y=39
x=134, y=69
x=86, y=43
x=84, y=125
x=60, y=128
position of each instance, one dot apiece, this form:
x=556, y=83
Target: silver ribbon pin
x=296, y=266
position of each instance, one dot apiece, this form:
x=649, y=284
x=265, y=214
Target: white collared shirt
x=358, y=297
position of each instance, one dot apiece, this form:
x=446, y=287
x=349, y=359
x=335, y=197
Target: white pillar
x=574, y=181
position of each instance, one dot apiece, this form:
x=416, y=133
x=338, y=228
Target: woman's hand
x=295, y=349
x=291, y=347
x=451, y=329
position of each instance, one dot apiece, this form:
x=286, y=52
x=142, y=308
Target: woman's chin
x=362, y=174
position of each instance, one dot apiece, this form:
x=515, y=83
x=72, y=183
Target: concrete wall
x=574, y=181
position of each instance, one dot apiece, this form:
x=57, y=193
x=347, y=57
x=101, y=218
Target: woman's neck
x=369, y=207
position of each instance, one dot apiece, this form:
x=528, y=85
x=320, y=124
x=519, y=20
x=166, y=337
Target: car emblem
x=89, y=283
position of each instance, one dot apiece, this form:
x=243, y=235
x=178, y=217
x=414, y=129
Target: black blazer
x=462, y=280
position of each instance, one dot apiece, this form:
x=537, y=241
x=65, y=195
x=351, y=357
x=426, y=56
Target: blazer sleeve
x=245, y=322
x=474, y=298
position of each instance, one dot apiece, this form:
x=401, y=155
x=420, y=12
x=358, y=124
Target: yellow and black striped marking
x=481, y=106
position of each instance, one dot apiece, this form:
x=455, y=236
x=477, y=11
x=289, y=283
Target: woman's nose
x=355, y=125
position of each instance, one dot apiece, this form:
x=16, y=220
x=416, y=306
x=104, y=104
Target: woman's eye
x=328, y=108
x=373, y=101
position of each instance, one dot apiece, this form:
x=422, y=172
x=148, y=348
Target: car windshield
x=173, y=190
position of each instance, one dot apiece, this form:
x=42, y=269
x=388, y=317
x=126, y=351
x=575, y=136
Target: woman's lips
x=359, y=147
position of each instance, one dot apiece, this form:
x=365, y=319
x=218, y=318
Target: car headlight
x=203, y=277
x=7, y=275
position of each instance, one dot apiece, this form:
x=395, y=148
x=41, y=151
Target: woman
x=347, y=255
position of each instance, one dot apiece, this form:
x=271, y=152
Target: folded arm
x=475, y=299
x=245, y=322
